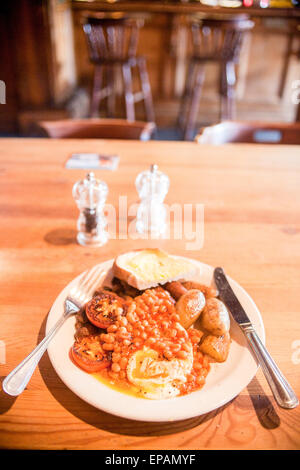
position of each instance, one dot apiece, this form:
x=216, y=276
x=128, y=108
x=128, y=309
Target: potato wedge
x=189, y=307
x=215, y=317
x=216, y=347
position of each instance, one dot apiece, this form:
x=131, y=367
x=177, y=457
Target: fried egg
x=158, y=378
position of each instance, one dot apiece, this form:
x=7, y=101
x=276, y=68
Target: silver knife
x=282, y=391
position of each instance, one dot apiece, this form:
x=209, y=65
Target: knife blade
x=227, y=295
x=281, y=389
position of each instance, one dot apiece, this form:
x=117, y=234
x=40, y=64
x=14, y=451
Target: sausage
x=176, y=289
x=207, y=291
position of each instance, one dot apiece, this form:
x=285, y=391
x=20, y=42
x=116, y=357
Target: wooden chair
x=112, y=45
x=97, y=129
x=217, y=41
x=250, y=132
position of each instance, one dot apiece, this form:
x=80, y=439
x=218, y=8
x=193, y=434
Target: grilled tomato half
x=88, y=354
x=104, y=309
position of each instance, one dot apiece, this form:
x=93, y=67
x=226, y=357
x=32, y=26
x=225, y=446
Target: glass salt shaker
x=152, y=186
x=90, y=196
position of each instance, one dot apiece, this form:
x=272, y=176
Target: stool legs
x=285, y=66
x=185, y=102
x=190, y=104
x=146, y=89
x=111, y=97
x=227, y=91
x=129, y=98
x=100, y=91
x=96, y=93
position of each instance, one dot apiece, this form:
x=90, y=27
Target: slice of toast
x=148, y=268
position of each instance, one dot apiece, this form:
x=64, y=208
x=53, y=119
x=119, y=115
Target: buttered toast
x=148, y=268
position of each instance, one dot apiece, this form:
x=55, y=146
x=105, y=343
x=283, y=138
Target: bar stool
x=292, y=50
x=219, y=41
x=112, y=45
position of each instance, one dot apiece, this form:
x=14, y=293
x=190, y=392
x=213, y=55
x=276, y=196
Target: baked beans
x=151, y=320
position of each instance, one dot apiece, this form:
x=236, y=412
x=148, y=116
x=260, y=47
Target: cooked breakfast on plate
x=152, y=332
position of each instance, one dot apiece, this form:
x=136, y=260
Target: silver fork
x=15, y=383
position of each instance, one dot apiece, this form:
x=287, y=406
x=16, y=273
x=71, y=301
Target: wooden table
x=252, y=229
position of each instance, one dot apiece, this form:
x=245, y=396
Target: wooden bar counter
x=251, y=200
x=183, y=8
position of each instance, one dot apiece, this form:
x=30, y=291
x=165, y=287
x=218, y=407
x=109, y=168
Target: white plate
x=224, y=382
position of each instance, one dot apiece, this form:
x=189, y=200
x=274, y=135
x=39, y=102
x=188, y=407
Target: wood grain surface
x=251, y=195
x=182, y=8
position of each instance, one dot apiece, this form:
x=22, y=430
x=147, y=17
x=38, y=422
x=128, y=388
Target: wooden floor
x=167, y=111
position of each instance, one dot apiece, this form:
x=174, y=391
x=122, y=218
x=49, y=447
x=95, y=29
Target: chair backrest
x=97, y=129
x=112, y=39
x=217, y=39
x=250, y=132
